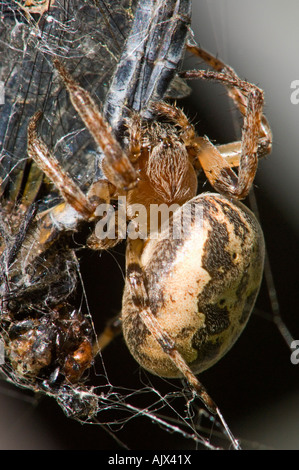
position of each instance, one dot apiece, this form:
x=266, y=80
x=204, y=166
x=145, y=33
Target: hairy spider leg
x=116, y=165
x=256, y=134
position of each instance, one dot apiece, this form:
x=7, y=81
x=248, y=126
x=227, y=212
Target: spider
x=187, y=299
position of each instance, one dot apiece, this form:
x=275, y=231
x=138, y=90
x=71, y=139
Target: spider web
x=125, y=404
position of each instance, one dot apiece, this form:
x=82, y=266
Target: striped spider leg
x=79, y=206
x=256, y=135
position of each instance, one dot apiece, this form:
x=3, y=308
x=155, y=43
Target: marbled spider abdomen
x=201, y=286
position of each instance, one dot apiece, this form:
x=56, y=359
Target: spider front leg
x=235, y=93
x=256, y=134
x=117, y=168
x=77, y=206
x=116, y=165
x=217, y=169
x=38, y=151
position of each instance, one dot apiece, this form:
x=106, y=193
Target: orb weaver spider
x=185, y=301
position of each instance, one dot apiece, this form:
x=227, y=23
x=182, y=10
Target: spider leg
x=235, y=93
x=140, y=298
x=77, y=206
x=256, y=134
x=178, y=117
x=38, y=151
x=231, y=152
x=116, y=165
x=134, y=128
x=111, y=331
